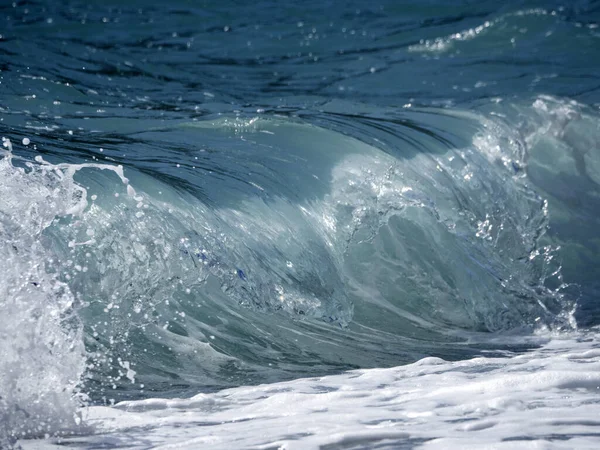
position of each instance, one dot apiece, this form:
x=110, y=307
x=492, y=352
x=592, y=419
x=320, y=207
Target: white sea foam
x=547, y=398
x=41, y=351
x=42, y=355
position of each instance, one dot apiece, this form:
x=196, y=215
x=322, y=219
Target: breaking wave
x=286, y=246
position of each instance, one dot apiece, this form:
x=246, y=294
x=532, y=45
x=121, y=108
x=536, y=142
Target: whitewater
x=343, y=226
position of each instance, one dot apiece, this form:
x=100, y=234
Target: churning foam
x=42, y=355
x=542, y=399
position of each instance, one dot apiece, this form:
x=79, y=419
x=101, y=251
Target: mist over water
x=201, y=196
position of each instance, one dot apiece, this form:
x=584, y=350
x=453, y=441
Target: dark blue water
x=318, y=186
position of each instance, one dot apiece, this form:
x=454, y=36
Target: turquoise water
x=201, y=195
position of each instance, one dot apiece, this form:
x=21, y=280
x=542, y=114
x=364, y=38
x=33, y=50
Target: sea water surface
x=279, y=225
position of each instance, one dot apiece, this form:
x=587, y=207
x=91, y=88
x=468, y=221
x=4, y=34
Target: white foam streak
x=443, y=44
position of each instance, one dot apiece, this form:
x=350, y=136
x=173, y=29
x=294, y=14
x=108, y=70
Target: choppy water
x=199, y=196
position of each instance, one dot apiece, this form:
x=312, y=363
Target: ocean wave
x=284, y=248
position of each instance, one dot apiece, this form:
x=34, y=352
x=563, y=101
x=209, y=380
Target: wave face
x=181, y=215
x=296, y=247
